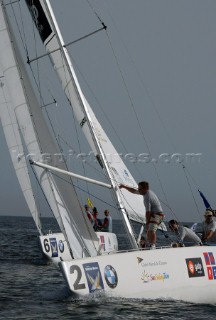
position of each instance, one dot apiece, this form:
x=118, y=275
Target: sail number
x=46, y=245
x=77, y=285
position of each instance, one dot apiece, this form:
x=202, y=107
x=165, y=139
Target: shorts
x=155, y=221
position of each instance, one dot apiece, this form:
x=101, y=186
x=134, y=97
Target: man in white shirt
x=184, y=233
x=107, y=224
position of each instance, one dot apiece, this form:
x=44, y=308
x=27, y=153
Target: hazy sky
x=154, y=76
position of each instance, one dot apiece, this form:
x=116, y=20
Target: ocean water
x=31, y=288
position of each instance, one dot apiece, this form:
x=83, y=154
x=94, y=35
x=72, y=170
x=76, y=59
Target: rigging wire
x=141, y=78
x=18, y=27
x=73, y=116
x=99, y=104
x=100, y=172
x=184, y=169
x=132, y=105
x=137, y=119
x=83, y=190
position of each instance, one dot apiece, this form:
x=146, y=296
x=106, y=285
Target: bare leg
x=151, y=236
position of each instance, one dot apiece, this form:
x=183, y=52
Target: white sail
x=14, y=142
x=130, y=205
x=59, y=193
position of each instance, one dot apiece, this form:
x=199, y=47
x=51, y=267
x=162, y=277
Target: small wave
x=58, y=295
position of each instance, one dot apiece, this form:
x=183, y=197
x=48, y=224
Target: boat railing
x=133, y=250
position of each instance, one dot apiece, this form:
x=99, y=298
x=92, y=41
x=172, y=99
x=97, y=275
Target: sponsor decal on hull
x=210, y=265
x=93, y=276
x=146, y=277
x=195, y=267
x=61, y=246
x=145, y=264
x=110, y=276
x=54, y=247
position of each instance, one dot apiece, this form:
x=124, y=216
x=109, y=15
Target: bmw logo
x=61, y=246
x=110, y=276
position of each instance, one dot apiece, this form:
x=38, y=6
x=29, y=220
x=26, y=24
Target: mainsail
x=130, y=205
x=59, y=191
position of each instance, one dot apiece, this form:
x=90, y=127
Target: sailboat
x=186, y=273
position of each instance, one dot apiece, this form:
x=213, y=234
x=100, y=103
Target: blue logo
x=93, y=276
x=111, y=276
x=54, y=248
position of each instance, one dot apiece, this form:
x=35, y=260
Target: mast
x=50, y=34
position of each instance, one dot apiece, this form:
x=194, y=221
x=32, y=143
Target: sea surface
x=33, y=289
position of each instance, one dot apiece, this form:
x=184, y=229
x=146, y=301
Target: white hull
x=55, y=247
x=187, y=274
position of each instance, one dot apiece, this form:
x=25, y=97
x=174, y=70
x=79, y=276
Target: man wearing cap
x=208, y=226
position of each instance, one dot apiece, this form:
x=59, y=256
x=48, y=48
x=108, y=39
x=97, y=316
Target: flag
x=206, y=203
x=90, y=203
